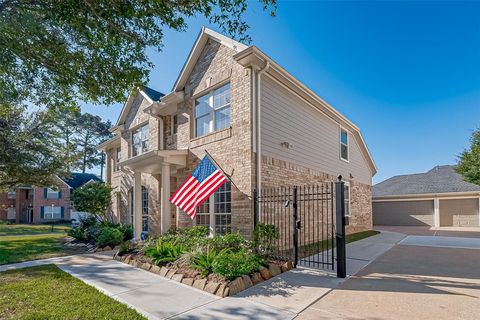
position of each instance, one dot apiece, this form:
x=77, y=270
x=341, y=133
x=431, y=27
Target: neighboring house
x=39, y=205
x=439, y=197
x=260, y=124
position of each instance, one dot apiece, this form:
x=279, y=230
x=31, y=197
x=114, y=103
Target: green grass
x=16, y=229
x=46, y=292
x=312, y=248
x=24, y=248
x=317, y=247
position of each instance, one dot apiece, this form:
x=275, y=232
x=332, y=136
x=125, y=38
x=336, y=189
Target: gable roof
x=78, y=179
x=440, y=179
x=154, y=95
x=254, y=57
x=148, y=93
x=197, y=49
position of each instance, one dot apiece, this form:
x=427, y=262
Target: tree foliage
x=469, y=160
x=29, y=148
x=55, y=52
x=94, y=198
x=92, y=131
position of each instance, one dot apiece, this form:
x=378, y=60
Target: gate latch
x=299, y=224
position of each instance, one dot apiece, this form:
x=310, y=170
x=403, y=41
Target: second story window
x=212, y=111
x=344, y=145
x=51, y=194
x=174, y=129
x=118, y=158
x=140, y=140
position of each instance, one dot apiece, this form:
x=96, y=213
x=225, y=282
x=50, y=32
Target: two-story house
x=28, y=204
x=263, y=127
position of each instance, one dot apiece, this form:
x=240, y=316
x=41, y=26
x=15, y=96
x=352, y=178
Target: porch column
x=137, y=208
x=165, y=196
x=436, y=212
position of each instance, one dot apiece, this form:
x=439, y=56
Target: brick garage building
x=261, y=125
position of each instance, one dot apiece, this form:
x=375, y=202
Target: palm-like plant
x=165, y=251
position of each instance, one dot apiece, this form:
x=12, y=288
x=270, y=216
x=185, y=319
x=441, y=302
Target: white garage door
x=403, y=213
x=459, y=212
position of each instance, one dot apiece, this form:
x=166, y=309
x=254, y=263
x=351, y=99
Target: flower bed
x=222, y=265
x=98, y=235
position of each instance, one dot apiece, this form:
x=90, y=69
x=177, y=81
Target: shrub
x=165, y=251
x=77, y=233
x=127, y=230
x=264, y=236
x=203, y=261
x=125, y=247
x=188, y=237
x=234, y=264
x=108, y=236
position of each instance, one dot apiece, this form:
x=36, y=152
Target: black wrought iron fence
x=304, y=219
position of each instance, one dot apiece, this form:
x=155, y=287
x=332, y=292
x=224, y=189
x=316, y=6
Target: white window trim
x=212, y=214
x=340, y=144
x=50, y=191
x=211, y=124
x=132, y=131
x=172, y=124
x=347, y=184
x=51, y=215
x=118, y=159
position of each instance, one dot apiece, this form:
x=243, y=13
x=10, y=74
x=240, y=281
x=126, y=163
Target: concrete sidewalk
x=295, y=290
x=151, y=295
x=282, y=297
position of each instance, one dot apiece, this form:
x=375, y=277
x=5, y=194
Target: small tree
x=94, y=198
x=468, y=164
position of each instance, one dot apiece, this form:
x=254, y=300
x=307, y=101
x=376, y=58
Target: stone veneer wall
x=281, y=173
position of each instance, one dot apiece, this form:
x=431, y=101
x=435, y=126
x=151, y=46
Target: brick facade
x=281, y=173
x=232, y=148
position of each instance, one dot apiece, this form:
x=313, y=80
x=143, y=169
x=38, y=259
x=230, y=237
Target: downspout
x=259, y=126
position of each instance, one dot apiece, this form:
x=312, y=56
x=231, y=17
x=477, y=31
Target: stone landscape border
x=221, y=289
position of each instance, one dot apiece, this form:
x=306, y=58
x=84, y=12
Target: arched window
x=144, y=209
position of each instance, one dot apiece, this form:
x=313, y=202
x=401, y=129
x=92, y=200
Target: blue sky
x=407, y=73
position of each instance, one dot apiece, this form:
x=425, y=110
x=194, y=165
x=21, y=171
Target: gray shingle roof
x=440, y=179
x=78, y=179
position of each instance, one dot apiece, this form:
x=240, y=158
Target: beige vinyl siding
x=314, y=138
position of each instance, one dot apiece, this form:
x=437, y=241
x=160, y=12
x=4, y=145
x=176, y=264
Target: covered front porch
x=161, y=165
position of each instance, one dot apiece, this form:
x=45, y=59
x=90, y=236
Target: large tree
x=469, y=160
x=30, y=147
x=59, y=52
x=91, y=132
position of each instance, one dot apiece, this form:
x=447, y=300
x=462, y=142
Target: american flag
x=204, y=180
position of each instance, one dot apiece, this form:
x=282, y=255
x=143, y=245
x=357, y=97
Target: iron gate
x=305, y=220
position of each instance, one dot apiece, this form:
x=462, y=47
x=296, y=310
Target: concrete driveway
x=468, y=232
x=408, y=282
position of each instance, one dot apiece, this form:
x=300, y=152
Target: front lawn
x=24, y=248
x=46, y=292
x=13, y=229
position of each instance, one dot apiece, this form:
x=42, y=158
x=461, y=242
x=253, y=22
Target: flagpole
x=219, y=167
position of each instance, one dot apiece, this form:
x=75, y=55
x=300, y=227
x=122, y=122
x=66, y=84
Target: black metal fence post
x=295, y=229
x=340, y=229
x=255, y=208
